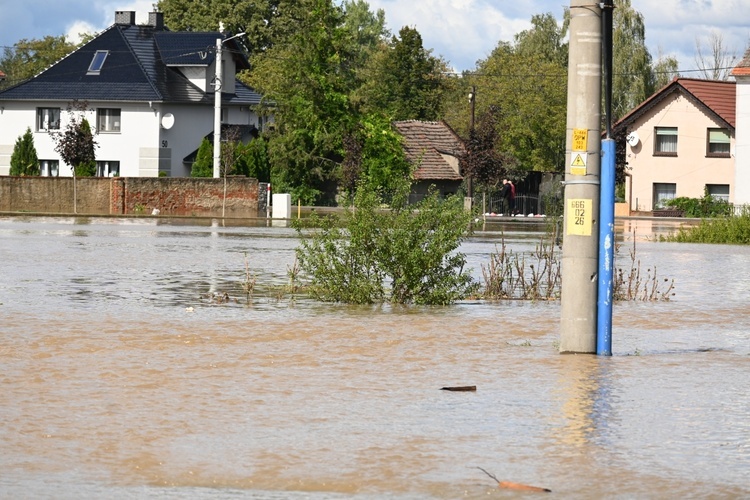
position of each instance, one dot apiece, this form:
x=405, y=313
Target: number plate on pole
x=579, y=217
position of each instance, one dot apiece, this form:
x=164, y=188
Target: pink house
x=680, y=142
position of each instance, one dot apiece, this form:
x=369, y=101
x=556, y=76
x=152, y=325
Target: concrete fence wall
x=131, y=195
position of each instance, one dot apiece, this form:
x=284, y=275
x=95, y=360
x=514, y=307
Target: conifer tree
x=24, y=160
x=203, y=166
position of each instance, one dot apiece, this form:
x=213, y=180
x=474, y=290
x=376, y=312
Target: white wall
x=143, y=147
x=15, y=118
x=742, y=159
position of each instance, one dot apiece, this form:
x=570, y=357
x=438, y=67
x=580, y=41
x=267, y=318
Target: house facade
x=680, y=142
x=741, y=74
x=148, y=94
x=435, y=151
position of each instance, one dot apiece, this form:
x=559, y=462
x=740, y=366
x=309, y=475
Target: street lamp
x=217, y=100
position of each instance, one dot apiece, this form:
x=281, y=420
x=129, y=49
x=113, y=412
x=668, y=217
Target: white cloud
x=462, y=31
x=74, y=31
x=673, y=26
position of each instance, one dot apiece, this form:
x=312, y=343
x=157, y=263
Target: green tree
x=27, y=58
x=253, y=160
x=256, y=18
x=203, y=166
x=531, y=93
x=375, y=156
x=24, y=160
x=483, y=162
x=404, y=81
x=546, y=39
x=309, y=77
x=665, y=69
x=366, y=29
x=633, y=78
x=525, y=82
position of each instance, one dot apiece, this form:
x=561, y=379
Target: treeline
x=334, y=76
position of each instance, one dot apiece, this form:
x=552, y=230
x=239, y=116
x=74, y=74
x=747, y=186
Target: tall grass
x=537, y=276
x=729, y=230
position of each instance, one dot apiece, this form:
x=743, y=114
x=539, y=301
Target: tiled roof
x=138, y=68
x=743, y=68
x=186, y=49
x=425, y=143
x=718, y=98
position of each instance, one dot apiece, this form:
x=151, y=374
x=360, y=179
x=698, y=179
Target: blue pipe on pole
x=606, y=249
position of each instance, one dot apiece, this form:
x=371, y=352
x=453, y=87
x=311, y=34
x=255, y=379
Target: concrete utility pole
x=472, y=103
x=217, y=104
x=583, y=146
x=218, y=87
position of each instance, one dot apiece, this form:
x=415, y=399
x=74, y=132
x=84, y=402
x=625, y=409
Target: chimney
x=126, y=17
x=156, y=19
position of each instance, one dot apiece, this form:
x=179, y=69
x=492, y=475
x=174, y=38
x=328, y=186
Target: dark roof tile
x=137, y=69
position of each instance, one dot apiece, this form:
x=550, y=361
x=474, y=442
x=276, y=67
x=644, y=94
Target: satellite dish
x=633, y=139
x=167, y=121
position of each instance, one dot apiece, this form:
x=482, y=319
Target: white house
x=742, y=160
x=149, y=95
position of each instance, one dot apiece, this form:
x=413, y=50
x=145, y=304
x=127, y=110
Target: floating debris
x=460, y=388
x=515, y=486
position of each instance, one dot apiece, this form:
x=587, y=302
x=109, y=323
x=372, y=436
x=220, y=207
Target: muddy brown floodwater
x=119, y=379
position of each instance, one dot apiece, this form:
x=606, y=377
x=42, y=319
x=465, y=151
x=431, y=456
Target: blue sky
x=462, y=31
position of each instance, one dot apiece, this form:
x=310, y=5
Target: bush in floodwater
x=637, y=285
x=402, y=254
x=728, y=230
x=512, y=276
x=537, y=276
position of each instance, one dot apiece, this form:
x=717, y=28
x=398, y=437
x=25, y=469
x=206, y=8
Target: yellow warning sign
x=580, y=139
x=579, y=217
x=578, y=163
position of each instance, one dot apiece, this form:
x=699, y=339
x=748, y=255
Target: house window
x=666, y=141
x=108, y=169
x=107, y=120
x=662, y=193
x=718, y=142
x=97, y=62
x=718, y=191
x=49, y=168
x=47, y=119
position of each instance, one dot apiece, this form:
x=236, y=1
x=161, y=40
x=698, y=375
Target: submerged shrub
x=538, y=276
x=402, y=254
x=729, y=230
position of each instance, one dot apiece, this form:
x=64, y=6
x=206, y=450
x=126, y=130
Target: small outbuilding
x=435, y=151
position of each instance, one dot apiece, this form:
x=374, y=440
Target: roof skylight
x=97, y=62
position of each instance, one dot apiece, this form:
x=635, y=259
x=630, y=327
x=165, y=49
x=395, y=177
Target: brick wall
x=122, y=195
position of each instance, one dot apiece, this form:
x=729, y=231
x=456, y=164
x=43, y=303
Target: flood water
x=121, y=376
